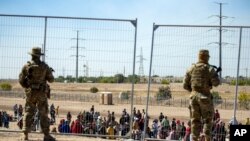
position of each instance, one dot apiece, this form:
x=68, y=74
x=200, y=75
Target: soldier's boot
x=48, y=137
x=207, y=138
x=195, y=139
x=24, y=137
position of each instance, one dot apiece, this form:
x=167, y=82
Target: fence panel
x=175, y=48
x=84, y=52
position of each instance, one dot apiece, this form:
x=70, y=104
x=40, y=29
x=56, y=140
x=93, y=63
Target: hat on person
x=36, y=51
x=204, y=52
x=203, y=55
x=178, y=122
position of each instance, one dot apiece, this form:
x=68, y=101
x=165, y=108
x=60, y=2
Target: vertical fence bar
x=237, y=80
x=133, y=80
x=44, y=40
x=149, y=80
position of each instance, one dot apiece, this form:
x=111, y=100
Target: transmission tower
x=77, y=53
x=86, y=69
x=63, y=72
x=220, y=43
x=141, y=69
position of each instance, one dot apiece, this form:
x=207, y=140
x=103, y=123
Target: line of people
x=91, y=122
x=5, y=119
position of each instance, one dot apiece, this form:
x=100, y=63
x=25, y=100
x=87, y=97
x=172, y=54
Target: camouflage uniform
x=33, y=78
x=199, y=79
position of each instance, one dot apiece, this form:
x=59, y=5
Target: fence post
x=185, y=102
x=221, y=104
x=225, y=103
x=181, y=102
x=173, y=102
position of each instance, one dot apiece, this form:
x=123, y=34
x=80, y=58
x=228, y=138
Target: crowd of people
x=91, y=122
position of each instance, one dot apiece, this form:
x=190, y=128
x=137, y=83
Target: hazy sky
x=195, y=12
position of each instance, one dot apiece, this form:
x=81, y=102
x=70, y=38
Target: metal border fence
x=180, y=30
x=45, y=29
x=164, y=39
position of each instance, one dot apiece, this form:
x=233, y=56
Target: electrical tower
x=86, y=69
x=63, y=73
x=220, y=43
x=77, y=53
x=141, y=59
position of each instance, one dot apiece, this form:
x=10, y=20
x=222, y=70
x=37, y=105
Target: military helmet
x=36, y=51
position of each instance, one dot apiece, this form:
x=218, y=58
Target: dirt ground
x=76, y=107
x=16, y=136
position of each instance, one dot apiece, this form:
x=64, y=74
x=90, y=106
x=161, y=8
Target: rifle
x=47, y=90
x=218, y=69
x=47, y=87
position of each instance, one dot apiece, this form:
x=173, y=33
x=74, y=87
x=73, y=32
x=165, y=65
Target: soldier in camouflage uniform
x=199, y=79
x=33, y=78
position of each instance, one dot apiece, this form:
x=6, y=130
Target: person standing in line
x=199, y=80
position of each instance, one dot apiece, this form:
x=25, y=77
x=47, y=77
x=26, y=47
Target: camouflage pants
x=36, y=99
x=202, y=111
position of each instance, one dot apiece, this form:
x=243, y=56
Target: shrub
x=163, y=93
x=216, y=97
x=244, y=100
x=241, y=82
x=94, y=90
x=5, y=86
x=165, y=81
x=125, y=95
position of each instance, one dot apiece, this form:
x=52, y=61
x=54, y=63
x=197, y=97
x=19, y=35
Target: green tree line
x=118, y=78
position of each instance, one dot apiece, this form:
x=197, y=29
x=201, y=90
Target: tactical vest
x=200, y=77
x=36, y=75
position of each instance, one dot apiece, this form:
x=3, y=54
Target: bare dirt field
x=75, y=107
x=16, y=136
x=225, y=90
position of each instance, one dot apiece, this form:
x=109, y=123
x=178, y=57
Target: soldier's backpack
x=36, y=74
x=200, y=76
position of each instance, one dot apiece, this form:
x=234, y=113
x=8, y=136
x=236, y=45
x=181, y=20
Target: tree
x=165, y=81
x=216, y=97
x=60, y=79
x=130, y=78
x=244, y=100
x=5, y=86
x=119, y=78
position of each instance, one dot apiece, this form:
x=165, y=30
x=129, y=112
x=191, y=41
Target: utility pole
x=86, y=69
x=220, y=38
x=246, y=72
x=77, y=54
x=220, y=16
x=124, y=71
x=63, y=73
